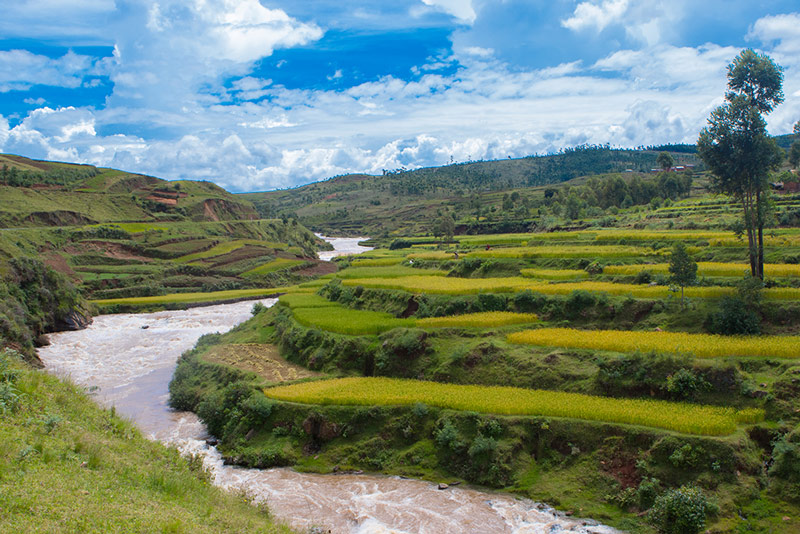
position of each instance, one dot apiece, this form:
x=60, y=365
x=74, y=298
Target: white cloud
x=20, y=70
x=460, y=9
x=588, y=15
x=783, y=29
x=647, y=22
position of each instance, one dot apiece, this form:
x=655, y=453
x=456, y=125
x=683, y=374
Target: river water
x=127, y=361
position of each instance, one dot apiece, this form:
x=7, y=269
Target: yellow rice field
x=478, y=320
x=701, y=345
x=370, y=391
x=554, y=274
x=775, y=270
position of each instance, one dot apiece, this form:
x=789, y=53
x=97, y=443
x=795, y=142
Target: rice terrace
x=450, y=290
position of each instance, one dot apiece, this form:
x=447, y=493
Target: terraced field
x=688, y=418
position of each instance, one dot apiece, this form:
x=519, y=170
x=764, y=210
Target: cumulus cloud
x=176, y=54
x=588, y=15
x=21, y=69
x=647, y=22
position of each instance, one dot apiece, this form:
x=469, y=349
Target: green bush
x=734, y=317
x=578, y=301
x=680, y=511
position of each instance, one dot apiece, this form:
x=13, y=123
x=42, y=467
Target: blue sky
x=263, y=95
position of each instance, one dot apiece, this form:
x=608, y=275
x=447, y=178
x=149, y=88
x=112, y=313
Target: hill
x=406, y=201
x=43, y=193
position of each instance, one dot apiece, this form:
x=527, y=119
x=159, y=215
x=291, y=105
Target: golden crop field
x=568, y=251
x=469, y=286
x=370, y=391
x=775, y=270
x=554, y=274
x=376, y=262
x=386, y=271
x=478, y=320
x=443, y=285
x=701, y=345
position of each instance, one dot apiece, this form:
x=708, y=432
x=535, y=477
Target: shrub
x=680, y=511
x=578, y=301
x=734, y=317
x=685, y=384
x=643, y=277
x=786, y=454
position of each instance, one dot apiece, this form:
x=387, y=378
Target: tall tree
x=736, y=147
x=682, y=268
x=665, y=161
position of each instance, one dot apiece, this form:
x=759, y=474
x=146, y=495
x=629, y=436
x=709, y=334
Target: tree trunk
x=751, y=238
x=760, y=262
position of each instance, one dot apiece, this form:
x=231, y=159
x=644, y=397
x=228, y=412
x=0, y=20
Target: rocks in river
x=443, y=486
x=145, y=327
x=74, y=320
x=212, y=442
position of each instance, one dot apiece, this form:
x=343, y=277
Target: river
x=127, y=361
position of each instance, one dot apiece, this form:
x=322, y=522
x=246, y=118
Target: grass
x=67, y=465
x=348, y=321
x=701, y=345
x=300, y=300
x=687, y=418
x=478, y=320
x=277, y=264
x=219, y=250
x=135, y=227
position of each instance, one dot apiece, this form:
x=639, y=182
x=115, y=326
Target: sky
x=261, y=95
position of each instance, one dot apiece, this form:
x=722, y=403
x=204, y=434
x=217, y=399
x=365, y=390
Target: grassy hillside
x=407, y=202
x=41, y=193
x=65, y=465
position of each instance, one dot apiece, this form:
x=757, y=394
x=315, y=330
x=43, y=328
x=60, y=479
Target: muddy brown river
x=127, y=361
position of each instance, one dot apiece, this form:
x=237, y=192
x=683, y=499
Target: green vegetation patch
x=348, y=321
x=67, y=465
x=219, y=250
x=370, y=391
x=272, y=266
x=301, y=300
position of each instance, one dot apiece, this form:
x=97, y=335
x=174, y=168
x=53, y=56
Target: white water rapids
x=128, y=361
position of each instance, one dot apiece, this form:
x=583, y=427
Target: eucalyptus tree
x=737, y=148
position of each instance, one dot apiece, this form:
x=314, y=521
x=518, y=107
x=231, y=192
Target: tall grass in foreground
x=67, y=465
x=701, y=345
x=680, y=417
